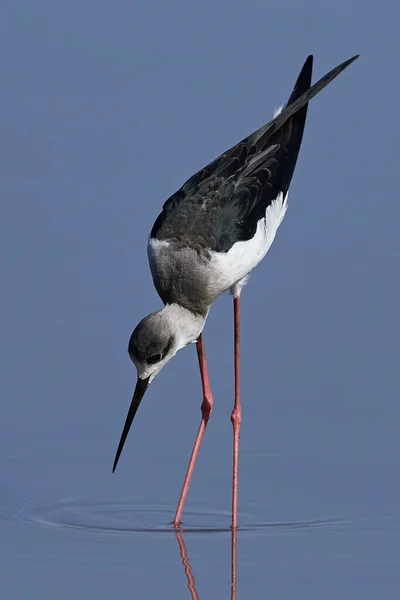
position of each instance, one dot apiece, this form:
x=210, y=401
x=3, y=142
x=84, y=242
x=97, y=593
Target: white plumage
x=233, y=267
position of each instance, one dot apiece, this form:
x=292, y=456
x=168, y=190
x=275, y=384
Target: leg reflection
x=185, y=561
x=234, y=562
x=188, y=569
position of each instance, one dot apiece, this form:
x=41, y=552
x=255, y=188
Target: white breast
x=232, y=267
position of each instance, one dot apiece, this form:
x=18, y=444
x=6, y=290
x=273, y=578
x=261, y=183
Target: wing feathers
x=237, y=187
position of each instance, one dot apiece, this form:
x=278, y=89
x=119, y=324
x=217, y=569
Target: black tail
x=287, y=128
x=303, y=82
x=295, y=104
x=300, y=97
x=295, y=126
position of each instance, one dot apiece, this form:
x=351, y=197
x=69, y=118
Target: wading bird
x=209, y=236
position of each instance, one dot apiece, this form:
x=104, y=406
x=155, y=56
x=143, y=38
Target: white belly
x=232, y=267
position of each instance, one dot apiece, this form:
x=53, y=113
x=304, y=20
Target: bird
x=207, y=239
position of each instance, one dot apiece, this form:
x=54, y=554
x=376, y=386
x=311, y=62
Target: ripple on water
x=124, y=517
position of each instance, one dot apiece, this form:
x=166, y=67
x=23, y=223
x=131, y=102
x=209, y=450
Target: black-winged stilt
x=209, y=236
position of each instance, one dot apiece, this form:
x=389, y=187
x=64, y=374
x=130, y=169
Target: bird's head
x=154, y=341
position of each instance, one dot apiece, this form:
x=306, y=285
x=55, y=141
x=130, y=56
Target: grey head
x=154, y=341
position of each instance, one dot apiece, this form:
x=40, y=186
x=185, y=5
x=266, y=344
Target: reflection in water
x=188, y=569
x=234, y=563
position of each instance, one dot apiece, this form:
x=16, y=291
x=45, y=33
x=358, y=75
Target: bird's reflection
x=186, y=565
x=191, y=583
x=233, y=562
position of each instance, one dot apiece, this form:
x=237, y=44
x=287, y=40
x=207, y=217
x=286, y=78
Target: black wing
x=222, y=203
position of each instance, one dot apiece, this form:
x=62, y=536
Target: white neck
x=187, y=326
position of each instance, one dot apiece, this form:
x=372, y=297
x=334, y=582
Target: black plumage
x=236, y=188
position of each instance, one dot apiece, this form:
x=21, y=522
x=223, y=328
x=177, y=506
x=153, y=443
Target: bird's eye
x=155, y=358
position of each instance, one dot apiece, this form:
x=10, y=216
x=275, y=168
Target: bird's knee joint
x=206, y=407
x=236, y=416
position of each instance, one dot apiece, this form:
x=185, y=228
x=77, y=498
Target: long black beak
x=141, y=387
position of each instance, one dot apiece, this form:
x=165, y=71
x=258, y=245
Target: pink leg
x=236, y=416
x=206, y=409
